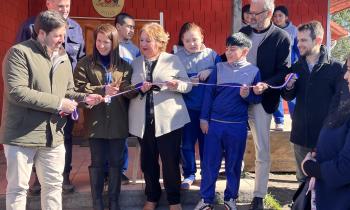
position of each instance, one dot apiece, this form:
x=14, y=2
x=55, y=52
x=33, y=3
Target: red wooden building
x=214, y=16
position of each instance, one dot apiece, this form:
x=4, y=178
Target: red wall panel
x=301, y=11
x=209, y=14
x=13, y=13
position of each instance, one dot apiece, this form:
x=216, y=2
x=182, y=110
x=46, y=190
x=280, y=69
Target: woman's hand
x=194, y=80
x=203, y=75
x=172, y=84
x=146, y=86
x=93, y=99
x=204, y=127
x=111, y=89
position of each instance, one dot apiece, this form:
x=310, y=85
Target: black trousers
x=68, y=144
x=167, y=147
x=107, y=149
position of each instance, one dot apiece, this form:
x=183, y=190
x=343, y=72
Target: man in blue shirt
x=125, y=25
x=74, y=46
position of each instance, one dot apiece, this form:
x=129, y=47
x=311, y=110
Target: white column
x=237, y=15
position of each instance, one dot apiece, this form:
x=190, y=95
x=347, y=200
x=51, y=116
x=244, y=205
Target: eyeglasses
x=253, y=15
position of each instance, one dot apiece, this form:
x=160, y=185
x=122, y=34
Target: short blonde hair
x=157, y=33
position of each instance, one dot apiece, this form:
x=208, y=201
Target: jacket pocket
x=15, y=118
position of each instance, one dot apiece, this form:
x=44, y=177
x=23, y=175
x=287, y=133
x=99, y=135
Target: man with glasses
x=270, y=53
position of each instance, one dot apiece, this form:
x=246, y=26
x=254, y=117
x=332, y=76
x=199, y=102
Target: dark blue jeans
x=125, y=159
x=103, y=150
x=279, y=113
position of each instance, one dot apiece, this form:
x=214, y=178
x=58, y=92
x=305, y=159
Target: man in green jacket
x=38, y=85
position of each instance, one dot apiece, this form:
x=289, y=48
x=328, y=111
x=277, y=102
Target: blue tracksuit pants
x=191, y=133
x=228, y=139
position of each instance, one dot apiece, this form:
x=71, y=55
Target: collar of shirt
x=240, y=63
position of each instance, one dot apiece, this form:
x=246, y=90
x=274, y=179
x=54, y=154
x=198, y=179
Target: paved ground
x=281, y=186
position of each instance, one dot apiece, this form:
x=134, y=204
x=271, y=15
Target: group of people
x=171, y=101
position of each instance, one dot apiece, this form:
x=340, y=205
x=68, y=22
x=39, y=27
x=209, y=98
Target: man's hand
x=172, y=84
x=203, y=75
x=146, y=86
x=93, y=99
x=204, y=127
x=111, y=90
x=68, y=106
x=244, y=91
x=290, y=84
x=260, y=87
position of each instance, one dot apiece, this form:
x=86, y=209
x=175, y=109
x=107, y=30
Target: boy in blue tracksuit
x=223, y=120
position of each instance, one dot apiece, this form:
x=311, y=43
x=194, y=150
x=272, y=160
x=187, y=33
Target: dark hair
x=48, y=21
x=315, y=28
x=239, y=39
x=112, y=34
x=187, y=27
x=282, y=9
x=245, y=9
x=120, y=18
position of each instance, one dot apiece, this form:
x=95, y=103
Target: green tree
x=342, y=48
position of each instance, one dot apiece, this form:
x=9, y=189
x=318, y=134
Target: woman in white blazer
x=158, y=113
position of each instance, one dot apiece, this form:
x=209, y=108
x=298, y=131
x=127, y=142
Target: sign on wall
x=108, y=8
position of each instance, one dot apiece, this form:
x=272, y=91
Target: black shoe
x=125, y=180
x=222, y=175
x=67, y=186
x=257, y=204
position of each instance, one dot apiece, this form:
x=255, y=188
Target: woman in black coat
x=331, y=166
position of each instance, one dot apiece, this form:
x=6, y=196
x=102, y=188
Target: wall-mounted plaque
x=108, y=8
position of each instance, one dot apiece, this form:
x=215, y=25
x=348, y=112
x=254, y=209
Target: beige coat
x=170, y=111
x=33, y=88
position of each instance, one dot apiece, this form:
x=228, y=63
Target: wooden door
x=88, y=26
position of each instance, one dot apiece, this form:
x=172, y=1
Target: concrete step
x=241, y=206
x=281, y=186
x=128, y=200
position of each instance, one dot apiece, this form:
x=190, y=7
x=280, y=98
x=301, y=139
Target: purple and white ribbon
x=290, y=76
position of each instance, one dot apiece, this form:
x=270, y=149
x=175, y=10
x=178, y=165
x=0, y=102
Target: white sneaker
x=230, y=205
x=187, y=182
x=279, y=127
x=203, y=206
